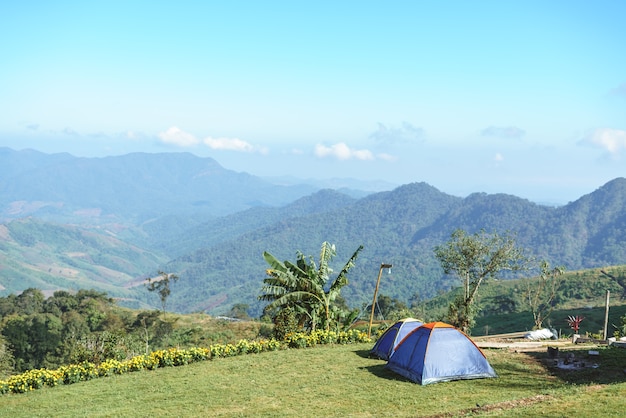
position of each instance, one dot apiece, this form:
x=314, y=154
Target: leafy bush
x=302, y=340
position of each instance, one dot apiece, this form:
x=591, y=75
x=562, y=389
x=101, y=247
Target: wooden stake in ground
x=606, y=315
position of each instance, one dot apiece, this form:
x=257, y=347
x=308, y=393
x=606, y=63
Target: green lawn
x=336, y=380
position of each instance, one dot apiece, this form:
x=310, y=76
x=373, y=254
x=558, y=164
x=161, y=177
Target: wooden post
x=380, y=272
x=606, y=315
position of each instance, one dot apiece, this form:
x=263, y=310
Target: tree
x=303, y=287
x=33, y=340
x=30, y=301
x=239, y=311
x=474, y=259
x=60, y=302
x=161, y=285
x=15, y=330
x=539, y=294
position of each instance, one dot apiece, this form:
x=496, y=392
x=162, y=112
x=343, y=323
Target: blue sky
x=526, y=98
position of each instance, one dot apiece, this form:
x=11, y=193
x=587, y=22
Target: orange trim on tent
x=432, y=325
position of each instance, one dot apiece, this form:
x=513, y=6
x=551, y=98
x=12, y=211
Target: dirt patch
x=515, y=346
x=500, y=406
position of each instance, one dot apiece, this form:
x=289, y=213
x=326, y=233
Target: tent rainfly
x=388, y=341
x=438, y=352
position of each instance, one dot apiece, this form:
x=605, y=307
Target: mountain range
x=109, y=223
x=130, y=189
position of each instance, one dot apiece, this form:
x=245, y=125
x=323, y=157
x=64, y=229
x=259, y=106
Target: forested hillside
x=401, y=227
x=134, y=215
x=223, y=229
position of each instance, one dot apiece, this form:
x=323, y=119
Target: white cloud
x=342, y=152
x=387, y=157
x=498, y=157
x=611, y=140
x=178, y=137
x=405, y=133
x=504, y=132
x=229, y=144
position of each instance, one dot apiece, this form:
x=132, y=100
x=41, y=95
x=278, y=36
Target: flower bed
x=74, y=373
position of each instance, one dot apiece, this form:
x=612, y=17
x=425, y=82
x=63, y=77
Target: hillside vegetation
x=503, y=307
x=36, y=254
x=69, y=328
x=48, y=332
x=108, y=224
x=401, y=228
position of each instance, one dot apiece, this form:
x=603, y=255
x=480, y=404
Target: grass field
x=333, y=380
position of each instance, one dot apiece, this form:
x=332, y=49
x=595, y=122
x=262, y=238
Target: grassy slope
x=523, y=321
x=330, y=381
x=590, y=283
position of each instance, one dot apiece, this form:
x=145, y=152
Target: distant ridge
x=131, y=188
x=103, y=223
x=402, y=227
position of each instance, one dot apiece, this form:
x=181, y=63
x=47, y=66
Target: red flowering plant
x=574, y=322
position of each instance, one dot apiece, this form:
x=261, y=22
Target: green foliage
x=540, y=294
x=304, y=288
x=6, y=359
x=30, y=301
x=522, y=321
x=102, y=346
x=474, y=259
x=88, y=327
x=239, y=311
x=70, y=257
x=402, y=227
x=33, y=339
x=285, y=322
x=303, y=339
x=49, y=332
x=502, y=307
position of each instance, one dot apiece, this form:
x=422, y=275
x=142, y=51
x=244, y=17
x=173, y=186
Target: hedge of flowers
x=301, y=339
x=74, y=373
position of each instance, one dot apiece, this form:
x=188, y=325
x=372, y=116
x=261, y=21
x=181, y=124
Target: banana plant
x=303, y=285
